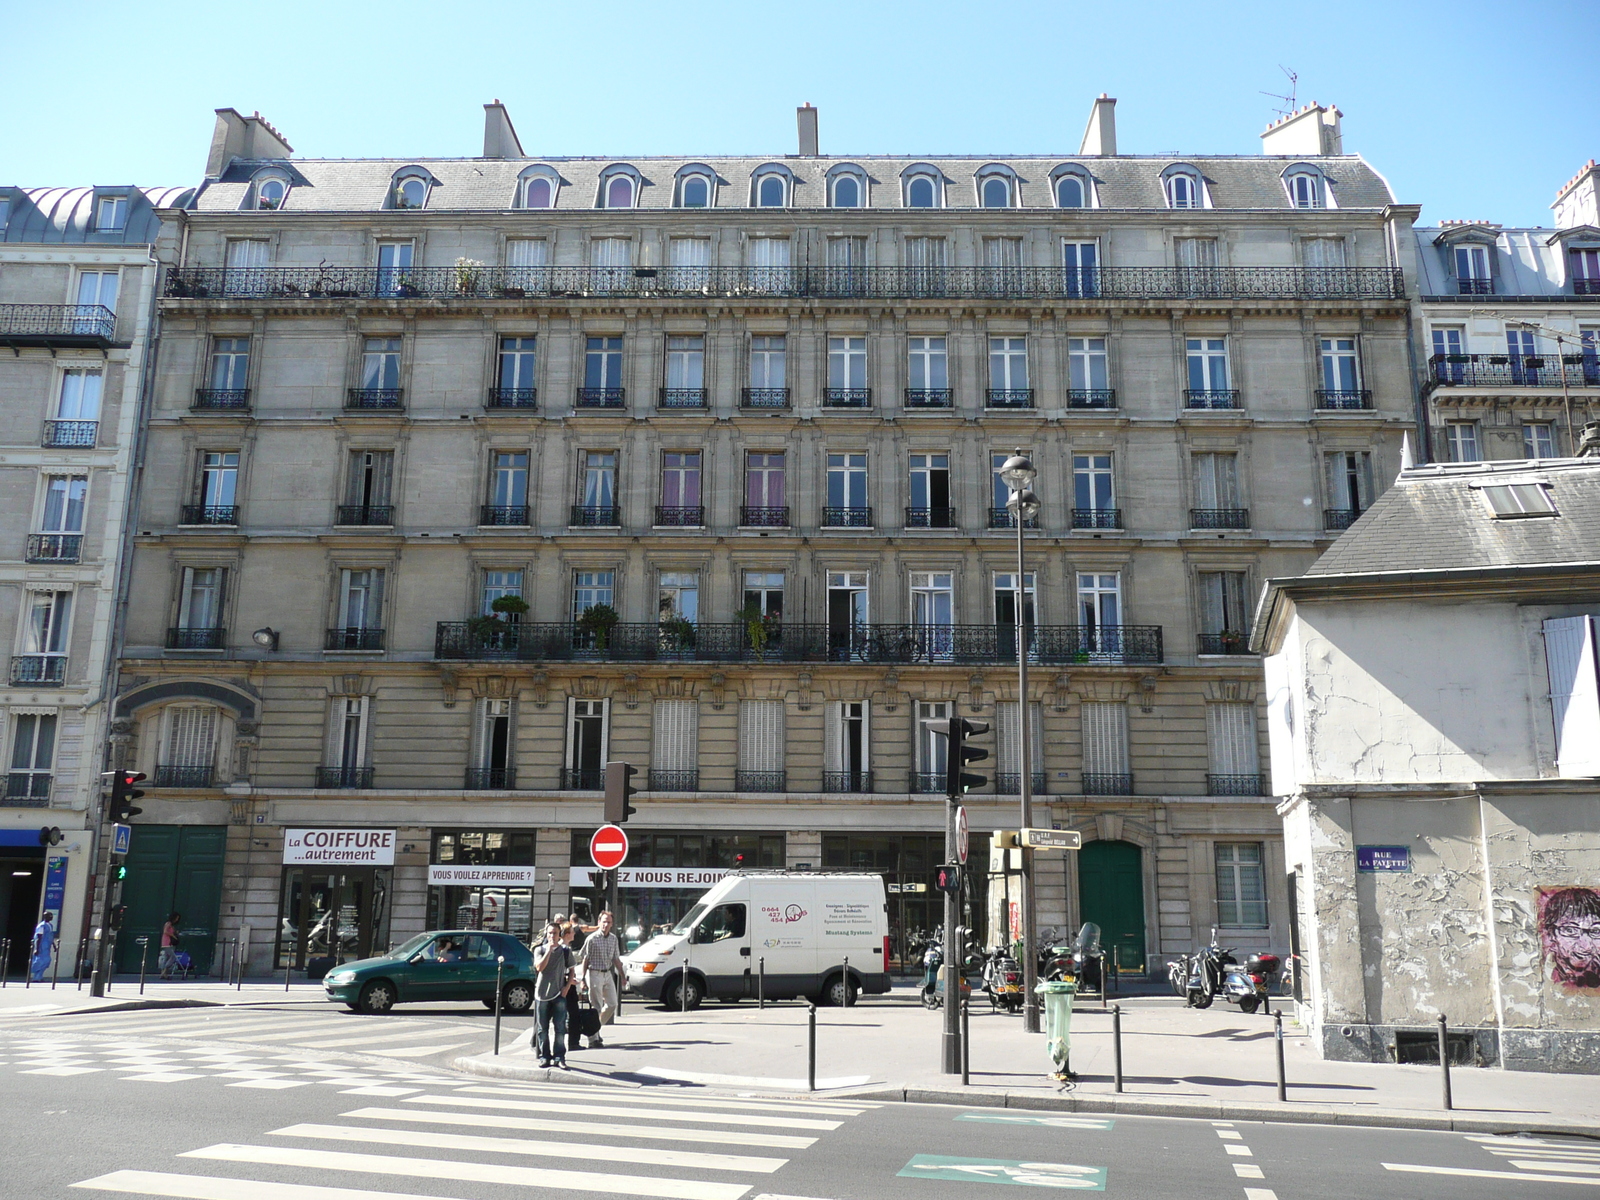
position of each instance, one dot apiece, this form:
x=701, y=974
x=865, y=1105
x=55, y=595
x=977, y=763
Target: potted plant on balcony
x=677, y=633
x=491, y=630
x=468, y=273
x=597, y=622
x=406, y=286
x=761, y=630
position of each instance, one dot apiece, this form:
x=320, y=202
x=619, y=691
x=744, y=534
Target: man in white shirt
x=600, y=969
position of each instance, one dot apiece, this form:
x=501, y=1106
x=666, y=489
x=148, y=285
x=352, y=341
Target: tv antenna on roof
x=1289, y=100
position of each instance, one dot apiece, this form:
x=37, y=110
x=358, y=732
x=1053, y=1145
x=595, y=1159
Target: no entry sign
x=961, y=834
x=608, y=848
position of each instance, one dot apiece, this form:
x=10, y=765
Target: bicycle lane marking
x=996, y=1170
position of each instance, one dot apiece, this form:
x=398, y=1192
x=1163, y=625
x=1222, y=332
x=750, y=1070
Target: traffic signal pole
x=119, y=810
x=954, y=950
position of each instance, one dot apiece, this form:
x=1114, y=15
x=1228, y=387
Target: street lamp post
x=1018, y=474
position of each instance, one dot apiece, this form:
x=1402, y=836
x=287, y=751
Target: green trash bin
x=1057, y=997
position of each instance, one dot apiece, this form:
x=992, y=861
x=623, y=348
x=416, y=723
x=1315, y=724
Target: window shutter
x=1571, y=659
x=833, y=737
x=1231, y=737
x=375, y=602
x=761, y=735
x=1212, y=611
x=1008, y=752
x=192, y=736
x=690, y=252
x=1364, y=479
x=1331, y=470
x=1105, y=739
x=335, y=732
x=675, y=735
x=527, y=252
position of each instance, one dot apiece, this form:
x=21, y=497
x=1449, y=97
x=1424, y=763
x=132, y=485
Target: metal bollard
x=5, y=960
x=1102, y=981
x=499, y=984
x=144, y=961
x=683, y=983
x=287, y=967
x=55, y=967
x=1277, y=1033
x=1116, y=1045
x=811, y=1049
x=1444, y=1062
x=83, y=961
x=761, y=984
x=845, y=983
x=1116, y=967
x=966, y=1042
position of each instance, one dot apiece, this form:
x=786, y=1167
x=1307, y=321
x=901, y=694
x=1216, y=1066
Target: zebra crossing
x=1533, y=1160
x=670, y=1147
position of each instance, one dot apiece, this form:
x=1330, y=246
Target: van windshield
x=689, y=919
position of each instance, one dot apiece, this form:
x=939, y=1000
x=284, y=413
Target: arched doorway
x=1111, y=894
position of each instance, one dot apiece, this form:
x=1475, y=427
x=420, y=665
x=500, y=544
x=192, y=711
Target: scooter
x=1055, y=957
x=1206, y=968
x=932, y=961
x=1002, y=981
x=1248, y=986
x=1087, y=959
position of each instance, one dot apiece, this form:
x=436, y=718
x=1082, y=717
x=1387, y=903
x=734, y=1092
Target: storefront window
x=497, y=847
x=510, y=893
x=907, y=863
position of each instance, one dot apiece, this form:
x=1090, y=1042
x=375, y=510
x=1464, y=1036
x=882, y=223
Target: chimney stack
x=1310, y=132
x=499, y=138
x=1100, y=136
x=807, y=119
x=1578, y=201
x=238, y=136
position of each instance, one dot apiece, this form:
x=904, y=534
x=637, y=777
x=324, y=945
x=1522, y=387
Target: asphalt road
x=96, y=1110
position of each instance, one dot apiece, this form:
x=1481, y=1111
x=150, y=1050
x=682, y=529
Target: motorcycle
x=1054, y=957
x=1206, y=968
x=1249, y=985
x=1178, y=974
x=1214, y=971
x=1002, y=981
x=932, y=962
x=1087, y=959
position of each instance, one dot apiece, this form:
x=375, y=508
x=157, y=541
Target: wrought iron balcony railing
x=38, y=670
x=858, y=782
x=526, y=399
x=344, y=777
x=221, y=400
x=1219, y=518
x=1353, y=401
x=681, y=398
x=1101, y=784
x=365, y=514
x=1097, y=518
x=203, y=638
x=764, y=398
x=1229, y=641
x=758, y=781
x=1234, y=785
x=1009, y=783
x=1586, y=287
x=1004, y=518
x=764, y=516
x=490, y=779
x=847, y=397
x=925, y=783
x=503, y=514
x=778, y=641
x=354, y=638
x=1008, y=398
x=92, y=325
x=674, y=781
x=1092, y=398
x=28, y=789
x=846, y=518
x=54, y=547
x=601, y=516
x=1474, y=287
x=1211, y=398
x=1514, y=370
x=183, y=777
x=583, y=779
x=1340, y=518
x=821, y=282
x=209, y=514
x=691, y=516
x=602, y=398
x=930, y=518
x=73, y=435
x=929, y=397
x=373, y=399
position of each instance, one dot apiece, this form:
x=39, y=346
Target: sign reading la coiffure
x=339, y=847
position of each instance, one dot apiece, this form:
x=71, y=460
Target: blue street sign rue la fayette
x=998, y=1170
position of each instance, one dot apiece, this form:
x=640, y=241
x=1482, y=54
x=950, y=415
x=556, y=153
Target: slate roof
x=1528, y=262
x=1435, y=518
x=478, y=184
x=65, y=215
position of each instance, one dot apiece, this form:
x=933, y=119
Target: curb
x=130, y=1006
x=495, y=1067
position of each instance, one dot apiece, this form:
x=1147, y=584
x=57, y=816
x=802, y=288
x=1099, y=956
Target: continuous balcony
x=1008, y=398
x=930, y=518
x=182, y=777
x=1211, y=398
x=490, y=779
x=1004, y=518
x=680, y=399
x=764, y=398
x=373, y=400
x=209, y=514
x=64, y=326
x=354, y=638
x=344, y=777
x=503, y=514
x=365, y=514
x=323, y=283
x=519, y=399
x=70, y=435
x=38, y=670
x=595, y=516
x=1228, y=641
x=592, y=398
x=1097, y=518
x=1219, y=518
x=231, y=400
x=929, y=397
x=54, y=547
x=1513, y=370
x=202, y=638
x=1335, y=400
x=747, y=642
x=764, y=516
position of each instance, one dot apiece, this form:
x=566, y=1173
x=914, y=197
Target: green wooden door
x=1111, y=894
x=172, y=868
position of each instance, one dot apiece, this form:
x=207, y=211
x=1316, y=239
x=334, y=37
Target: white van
x=805, y=925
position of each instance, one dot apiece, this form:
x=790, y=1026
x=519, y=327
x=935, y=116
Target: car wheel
x=835, y=993
x=377, y=997
x=684, y=993
x=517, y=997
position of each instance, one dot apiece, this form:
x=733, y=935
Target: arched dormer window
x=1183, y=187
x=538, y=187
x=268, y=190
x=1306, y=186
x=924, y=187
x=410, y=188
x=696, y=187
x=997, y=186
x=847, y=187
x=770, y=187
x=1072, y=187
x=619, y=187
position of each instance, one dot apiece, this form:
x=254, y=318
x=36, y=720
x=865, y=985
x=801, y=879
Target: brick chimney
x=1578, y=201
x=1309, y=132
x=238, y=136
x=499, y=138
x=1100, y=136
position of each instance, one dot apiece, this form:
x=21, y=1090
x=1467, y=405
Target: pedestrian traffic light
x=123, y=794
x=619, y=790
x=958, y=754
x=119, y=872
x=118, y=911
x=947, y=878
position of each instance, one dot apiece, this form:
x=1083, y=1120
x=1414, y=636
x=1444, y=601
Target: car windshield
x=690, y=918
x=407, y=949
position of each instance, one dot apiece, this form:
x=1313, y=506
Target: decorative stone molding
x=1234, y=690
x=449, y=681
x=539, y=688
x=1063, y=691
x=1147, y=694
x=718, y=682
x=630, y=690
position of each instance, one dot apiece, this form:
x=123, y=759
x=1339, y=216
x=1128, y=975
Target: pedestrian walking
x=169, y=944
x=600, y=973
x=44, y=940
x=553, y=963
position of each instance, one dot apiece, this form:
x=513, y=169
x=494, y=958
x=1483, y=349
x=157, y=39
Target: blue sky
x=1471, y=109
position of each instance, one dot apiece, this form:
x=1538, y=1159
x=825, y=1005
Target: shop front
x=334, y=898
x=486, y=879
x=907, y=862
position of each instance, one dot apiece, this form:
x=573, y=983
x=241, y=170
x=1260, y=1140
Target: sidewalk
x=67, y=997
x=1212, y=1063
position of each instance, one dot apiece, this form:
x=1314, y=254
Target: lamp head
x=1024, y=504
x=1018, y=472
x=266, y=637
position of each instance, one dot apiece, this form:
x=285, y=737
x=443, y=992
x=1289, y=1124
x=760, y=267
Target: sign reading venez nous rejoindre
x=651, y=877
x=339, y=847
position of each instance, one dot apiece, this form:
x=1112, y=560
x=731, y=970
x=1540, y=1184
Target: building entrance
x=172, y=868
x=332, y=915
x=21, y=882
x=1111, y=894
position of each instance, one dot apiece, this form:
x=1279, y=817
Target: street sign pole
x=954, y=951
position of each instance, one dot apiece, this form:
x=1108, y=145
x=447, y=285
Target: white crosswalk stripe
x=655, y=1133
x=1537, y=1160
x=601, y=1110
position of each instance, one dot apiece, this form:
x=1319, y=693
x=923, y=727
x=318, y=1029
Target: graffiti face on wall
x=1569, y=930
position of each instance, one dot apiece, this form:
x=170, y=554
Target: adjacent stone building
x=466, y=476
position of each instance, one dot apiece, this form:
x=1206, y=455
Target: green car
x=444, y=965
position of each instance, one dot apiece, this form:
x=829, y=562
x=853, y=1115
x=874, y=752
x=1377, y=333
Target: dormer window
x=995, y=192
x=696, y=187
x=271, y=194
x=1306, y=188
x=847, y=188
x=1069, y=192
x=111, y=213
x=411, y=191
x=538, y=192
x=771, y=191
x=5, y=211
x=1183, y=190
x=619, y=192
x=922, y=191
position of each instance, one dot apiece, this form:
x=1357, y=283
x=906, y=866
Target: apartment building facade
x=77, y=283
x=468, y=476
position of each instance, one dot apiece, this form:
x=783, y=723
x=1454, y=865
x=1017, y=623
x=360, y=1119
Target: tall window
x=1241, y=886
x=612, y=260
x=930, y=491
x=243, y=256
x=230, y=364
x=63, y=504
x=768, y=361
x=932, y=755
x=761, y=746
x=371, y=478
x=694, y=192
x=33, y=752
x=1449, y=350
x=517, y=361
x=1224, y=614
x=1002, y=264
x=1348, y=475
x=922, y=192
x=1008, y=364
x=1195, y=253
x=49, y=619
x=1472, y=271
x=926, y=254
x=219, y=485
x=1322, y=253
x=598, y=485
x=111, y=213
x=1105, y=748
x=1522, y=349
x=1235, y=766
x=200, y=601
x=686, y=362
x=526, y=258
x=1461, y=441
x=763, y=591
x=847, y=362
x=619, y=192
x=1208, y=364
x=1100, y=611
x=189, y=748
x=846, y=192
x=1341, y=370
x=1086, y=364
x=1305, y=190
x=1091, y=483
x=602, y=362
x=1583, y=268
x=394, y=264
x=1081, y=260
x=80, y=396
x=689, y=263
x=1183, y=191
x=765, y=483
x=350, y=734
x=508, y=483
x=849, y=609
x=380, y=363
x=933, y=612
x=768, y=252
x=1216, y=481
x=361, y=598
x=1008, y=746
x=1005, y=599
x=680, y=479
x=494, y=742
x=847, y=481
x=674, y=745
x=678, y=596
x=98, y=287
x=846, y=752
x=497, y=584
x=538, y=192
x=1538, y=440
x=996, y=192
x=928, y=365
x=591, y=588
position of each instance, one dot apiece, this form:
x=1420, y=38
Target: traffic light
x=123, y=794
x=959, y=754
x=119, y=872
x=947, y=878
x=619, y=790
x=118, y=911
x=50, y=835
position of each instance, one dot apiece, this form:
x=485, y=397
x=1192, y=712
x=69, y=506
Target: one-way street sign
x=1052, y=839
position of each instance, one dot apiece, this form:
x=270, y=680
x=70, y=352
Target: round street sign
x=961, y=834
x=608, y=847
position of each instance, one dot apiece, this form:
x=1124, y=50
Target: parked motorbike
x=1055, y=957
x=1206, y=970
x=932, y=964
x=1087, y=959
x=1178, y=974
x=1214, y=970
x=1002, y=981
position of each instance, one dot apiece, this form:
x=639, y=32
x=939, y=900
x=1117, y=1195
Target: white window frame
x=1085, y=188
x=935, y=182
x=593, y=467
x=595, y=586
x=196, y=747
x=858, y=179
x=675, y=735
x=498, y=582
x=758, y=186
x=591, y=708
x=99, y=287
x=1194, y=185
x=927, y=362
x=1539, y=439
x=1462, y=441
x=1335, y=352
x=1305, y=188
x=371, y=590
x=1092, y=472
x=347, y=714
x=490, y=712
x=1210, y=355
x=50, y=637
x=840, y=715
x=769, y=349
x=1231, y=868
x=847, y=362
x=1005, y=181
x=258, y=192
x=704, y=177
x=402, y=187
x=74, y=491
x=932, y=757
x=609, y=180
x=1088, y=364
x=118, y=220
x=1008, y=362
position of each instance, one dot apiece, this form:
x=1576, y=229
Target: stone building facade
x=726, y=430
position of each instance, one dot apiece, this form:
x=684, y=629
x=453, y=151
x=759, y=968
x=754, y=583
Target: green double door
x=172, y=868
x=1111, y=894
